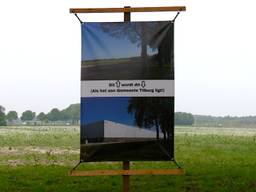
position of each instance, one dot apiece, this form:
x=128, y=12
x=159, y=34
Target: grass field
x=215, y=159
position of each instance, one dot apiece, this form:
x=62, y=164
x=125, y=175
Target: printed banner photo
x=127, y=91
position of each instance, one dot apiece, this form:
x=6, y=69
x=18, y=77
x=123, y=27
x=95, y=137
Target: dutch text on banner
x=128, y=88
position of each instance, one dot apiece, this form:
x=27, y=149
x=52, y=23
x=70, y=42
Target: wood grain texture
x=128, y=172
x=126, y=178
x=127, y=15
x=127, y=9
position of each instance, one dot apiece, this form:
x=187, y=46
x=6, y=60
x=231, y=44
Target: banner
x=127, y=91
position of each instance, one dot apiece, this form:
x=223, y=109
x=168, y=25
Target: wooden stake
x=126, y=178
x=127, y=15
x=126, y=164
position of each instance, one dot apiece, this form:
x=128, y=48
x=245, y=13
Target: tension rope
x=173, y=20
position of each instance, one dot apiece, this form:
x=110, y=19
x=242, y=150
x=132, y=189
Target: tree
x=12, y=115
x=28, y=115
x=153, y=112
x=162, y=40
x=72, y=113
x=182, y=118
x=54, y=115
x=135, y=32
x=2, y=116
x=154, y=34
x=42, y=116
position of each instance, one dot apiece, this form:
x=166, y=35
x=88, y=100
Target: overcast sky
x=215, y=53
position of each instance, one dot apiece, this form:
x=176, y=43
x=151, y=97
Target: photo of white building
x=109, y=131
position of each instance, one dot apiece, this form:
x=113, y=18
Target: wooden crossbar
x=127, y=9
x=128, y=172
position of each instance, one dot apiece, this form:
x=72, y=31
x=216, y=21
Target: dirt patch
x=15, y=162
x=53, y=151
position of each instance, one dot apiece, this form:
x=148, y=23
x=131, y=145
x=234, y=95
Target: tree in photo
x=155, y=35
x=153, y=112
x=162, y=40
x=135, y=32
x=2, y=116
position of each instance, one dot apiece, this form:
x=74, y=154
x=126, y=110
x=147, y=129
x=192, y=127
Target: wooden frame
x=127, y=9
x=128, y=172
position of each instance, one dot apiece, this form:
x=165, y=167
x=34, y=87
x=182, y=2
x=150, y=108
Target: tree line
x=70, y=114
x=226, y=121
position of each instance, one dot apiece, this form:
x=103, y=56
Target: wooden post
x=127, y=15
x=126, y=164
x=126, y=178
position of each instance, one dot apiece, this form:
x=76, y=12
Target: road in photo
x=139, y=50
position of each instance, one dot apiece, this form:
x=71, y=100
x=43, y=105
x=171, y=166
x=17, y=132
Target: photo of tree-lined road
x=133, y=50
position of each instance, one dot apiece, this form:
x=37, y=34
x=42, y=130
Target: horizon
x=214, y=56
x=222, y=116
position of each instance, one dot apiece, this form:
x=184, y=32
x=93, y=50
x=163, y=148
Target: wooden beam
x=130, y=9
x=126, y=178
x=128, y=172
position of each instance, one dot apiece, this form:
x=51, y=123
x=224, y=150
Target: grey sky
x=215, y=60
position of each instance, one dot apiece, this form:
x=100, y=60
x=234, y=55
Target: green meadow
x=215, y=159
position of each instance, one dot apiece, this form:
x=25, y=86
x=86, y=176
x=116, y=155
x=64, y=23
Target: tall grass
x=215, y=159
